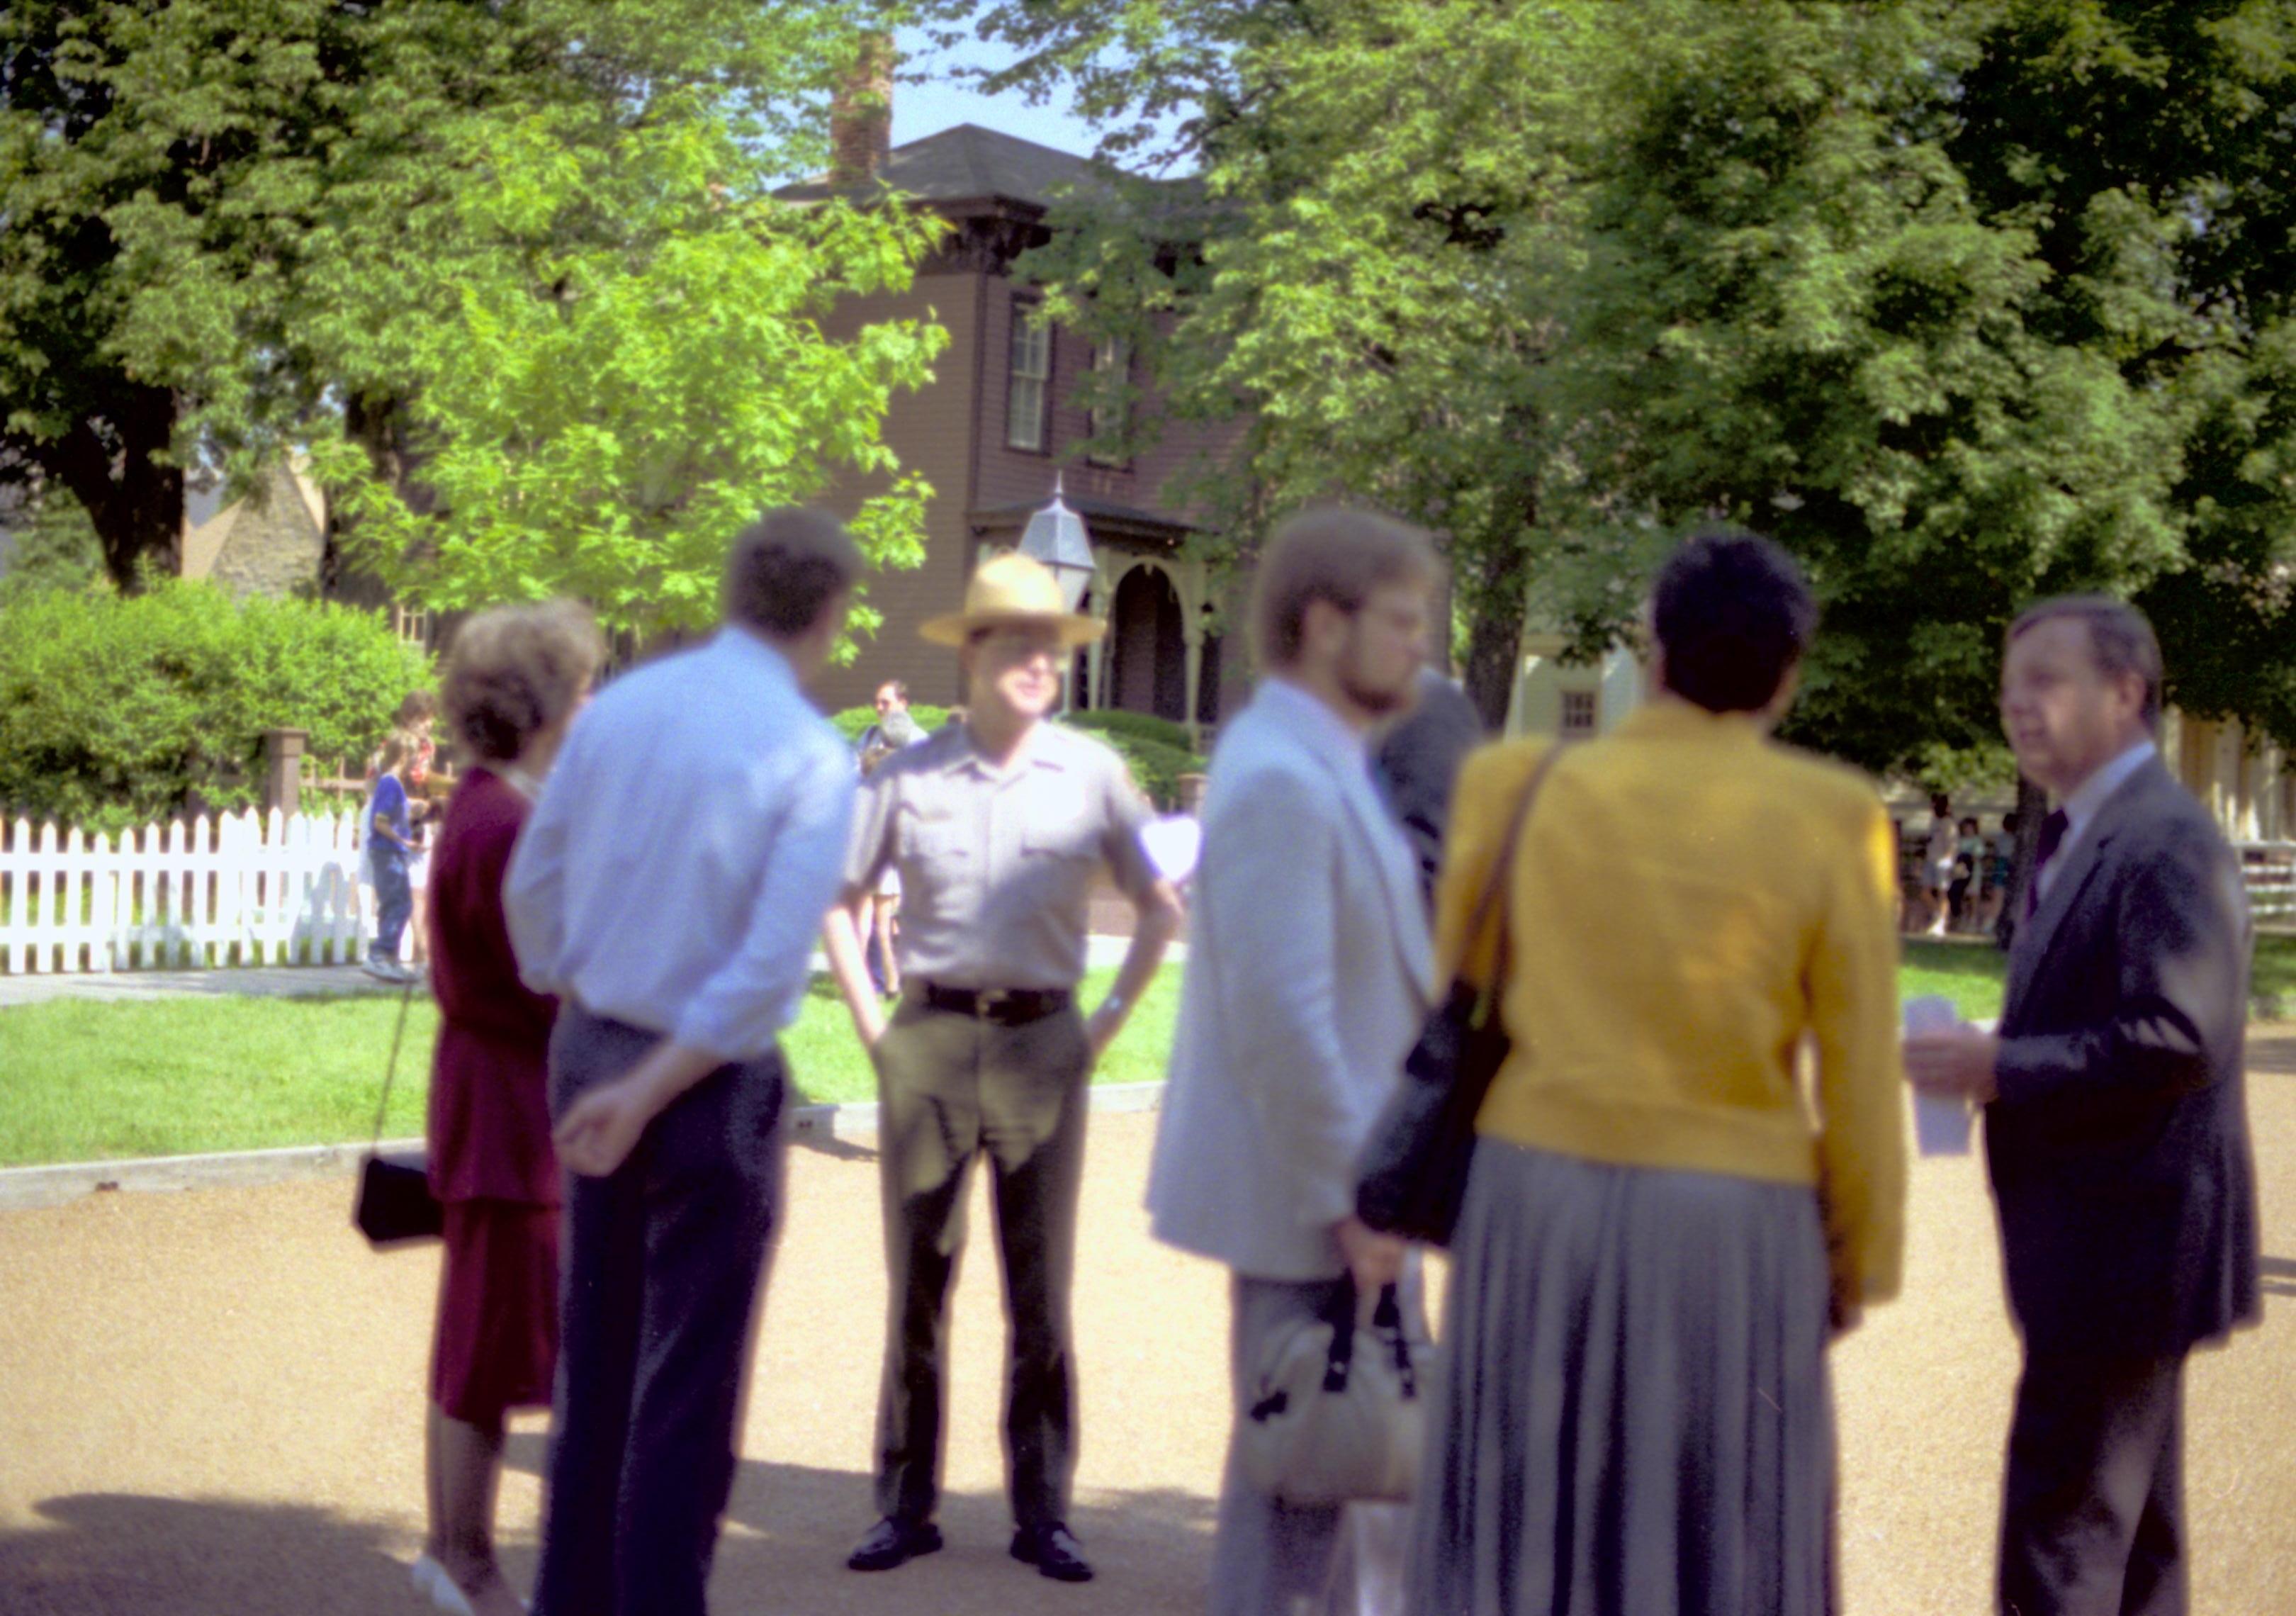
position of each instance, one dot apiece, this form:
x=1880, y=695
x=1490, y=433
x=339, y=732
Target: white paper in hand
x=1941, y=1121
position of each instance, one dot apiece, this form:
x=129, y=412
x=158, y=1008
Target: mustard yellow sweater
x=1691, y=902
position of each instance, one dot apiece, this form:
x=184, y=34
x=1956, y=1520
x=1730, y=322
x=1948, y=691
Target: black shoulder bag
x=395, y=1203
x=1412, y=1178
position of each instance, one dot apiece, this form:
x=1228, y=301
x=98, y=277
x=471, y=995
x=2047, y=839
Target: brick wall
x=931, y=433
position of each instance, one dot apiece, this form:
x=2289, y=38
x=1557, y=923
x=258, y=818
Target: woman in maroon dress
x=513, y=681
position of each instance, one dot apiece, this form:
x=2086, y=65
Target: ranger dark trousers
x=952, y=1086
x=663, y=1260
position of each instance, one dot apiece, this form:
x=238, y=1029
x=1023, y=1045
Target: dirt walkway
x=210, y=1406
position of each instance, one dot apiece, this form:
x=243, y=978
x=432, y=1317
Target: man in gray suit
x=1306, y=981
x=2116, y=1131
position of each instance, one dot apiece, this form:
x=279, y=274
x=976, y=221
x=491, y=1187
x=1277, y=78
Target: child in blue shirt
x=390, y=849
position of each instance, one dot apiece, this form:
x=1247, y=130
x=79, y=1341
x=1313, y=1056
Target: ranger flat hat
x=1012, y=588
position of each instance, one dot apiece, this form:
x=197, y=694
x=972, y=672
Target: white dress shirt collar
x=2082, y=802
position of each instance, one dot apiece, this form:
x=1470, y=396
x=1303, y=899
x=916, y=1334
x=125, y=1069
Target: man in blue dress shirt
x=667, y=889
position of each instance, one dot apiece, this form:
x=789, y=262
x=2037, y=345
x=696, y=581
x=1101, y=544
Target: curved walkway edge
x=22, y=1187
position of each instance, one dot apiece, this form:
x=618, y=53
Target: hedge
x=1140, y=725
x=119, y=711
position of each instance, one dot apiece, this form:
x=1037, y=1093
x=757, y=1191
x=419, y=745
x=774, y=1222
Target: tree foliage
x=239, y=225
x=621, y=361
x=1966, y=303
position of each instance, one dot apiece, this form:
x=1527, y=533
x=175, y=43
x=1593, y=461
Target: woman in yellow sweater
x=1663, y=1224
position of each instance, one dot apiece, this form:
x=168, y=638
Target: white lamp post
x=1056, y=535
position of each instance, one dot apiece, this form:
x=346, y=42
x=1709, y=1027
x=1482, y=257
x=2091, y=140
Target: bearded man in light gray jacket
x=1308, y=978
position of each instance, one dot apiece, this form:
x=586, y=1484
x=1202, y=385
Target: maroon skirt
x=497, y=1342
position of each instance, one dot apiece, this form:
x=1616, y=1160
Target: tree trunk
x=2032, y=807
x=1493, y=646
x=111, y=464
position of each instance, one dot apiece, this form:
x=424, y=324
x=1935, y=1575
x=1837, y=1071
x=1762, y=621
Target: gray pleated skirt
x=1636, y=1420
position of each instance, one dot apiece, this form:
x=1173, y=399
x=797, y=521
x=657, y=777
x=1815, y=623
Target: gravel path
x=210, y=1405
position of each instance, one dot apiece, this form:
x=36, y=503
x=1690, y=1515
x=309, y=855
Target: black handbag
x=1413, y=1177
x=395, y=1203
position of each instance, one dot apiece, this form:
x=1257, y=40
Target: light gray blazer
x=1306, y=982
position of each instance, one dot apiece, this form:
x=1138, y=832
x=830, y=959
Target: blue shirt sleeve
x=391, y=803
x=755, y=994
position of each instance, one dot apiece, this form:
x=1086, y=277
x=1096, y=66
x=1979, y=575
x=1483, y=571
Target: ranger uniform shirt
x=997, y=863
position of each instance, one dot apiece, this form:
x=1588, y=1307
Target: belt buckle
x=988, y=1002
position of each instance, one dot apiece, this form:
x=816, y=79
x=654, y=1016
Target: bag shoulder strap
x=390, y=1069
x=1493, y=898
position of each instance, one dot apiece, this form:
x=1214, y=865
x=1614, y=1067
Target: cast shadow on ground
x=99, y=1553
x=784, y=1549
x=789, y=1527
x=2279, y=1277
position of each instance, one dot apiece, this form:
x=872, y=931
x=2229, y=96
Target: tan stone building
x=271, y=541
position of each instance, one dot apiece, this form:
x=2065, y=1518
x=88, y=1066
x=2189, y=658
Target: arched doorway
x=1147, y=668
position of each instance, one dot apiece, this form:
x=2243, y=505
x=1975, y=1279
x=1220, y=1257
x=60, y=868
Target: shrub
x=1140, y=725
x=1156, y=767
x=117, y=710
x=853, y=721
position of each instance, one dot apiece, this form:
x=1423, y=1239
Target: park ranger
x=998, y=826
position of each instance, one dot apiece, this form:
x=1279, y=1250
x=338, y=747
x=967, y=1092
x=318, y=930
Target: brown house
x=1000, y=422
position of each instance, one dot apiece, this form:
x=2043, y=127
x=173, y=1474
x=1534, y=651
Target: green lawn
x=84, y=1080
x=1970, y=974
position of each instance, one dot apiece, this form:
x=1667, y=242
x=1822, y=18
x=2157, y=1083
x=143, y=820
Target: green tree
x=1361, y=278
x=620, y=360
x=1966, y=303
x=229, y=221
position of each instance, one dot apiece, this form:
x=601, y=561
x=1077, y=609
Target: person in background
x=417, y=719
x=1307, y=979
x=2000, y=863
x=875, y=912
x=2116, y=1122
x=667, y=891
x=1937, y=864
x=1968, y=870
x=893, y=727
x=998, y=828
x=1659, y=1235
x=391, y=847
x=1418, y=762
x=513, y=681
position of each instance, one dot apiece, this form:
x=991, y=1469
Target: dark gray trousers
x=951, y=1089
x=2093, y=1509
x=662, y=1262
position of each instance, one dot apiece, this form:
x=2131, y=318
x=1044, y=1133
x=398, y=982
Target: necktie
x=2053, y=837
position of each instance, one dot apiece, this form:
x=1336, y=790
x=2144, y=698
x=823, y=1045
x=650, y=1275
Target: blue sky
x=928, y=108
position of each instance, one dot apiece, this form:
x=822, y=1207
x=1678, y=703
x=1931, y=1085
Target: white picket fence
x=244, y=888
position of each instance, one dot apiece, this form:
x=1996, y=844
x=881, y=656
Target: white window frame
x=1028, y=384
x=1111, y=419
x=1589, y=718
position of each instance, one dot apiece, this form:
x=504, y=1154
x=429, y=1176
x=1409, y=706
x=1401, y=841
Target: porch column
x=1189, y=579
x=1095, y=658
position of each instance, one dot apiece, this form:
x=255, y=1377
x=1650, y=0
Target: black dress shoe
x=1054, y=1551
x=892, y=1542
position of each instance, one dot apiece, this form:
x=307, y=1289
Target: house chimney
x=861, y=114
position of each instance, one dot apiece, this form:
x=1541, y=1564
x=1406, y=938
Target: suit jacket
x=1418, y=764
x=2118, y=1144
x=1305, y=984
